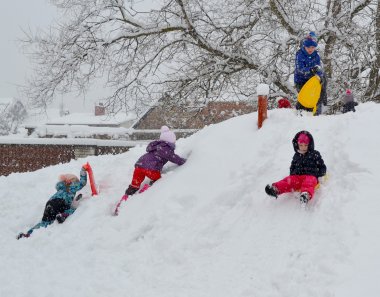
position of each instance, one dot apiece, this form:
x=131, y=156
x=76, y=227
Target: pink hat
x=348, y=91
x=303, y=138
x=167, y=135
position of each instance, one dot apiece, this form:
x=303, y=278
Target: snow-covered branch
x=198, y=50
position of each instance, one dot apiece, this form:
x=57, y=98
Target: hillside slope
x=207, y=228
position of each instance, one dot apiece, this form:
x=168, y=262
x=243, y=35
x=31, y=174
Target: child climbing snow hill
x=306, y=167
x=150, y=165
x=60, y=205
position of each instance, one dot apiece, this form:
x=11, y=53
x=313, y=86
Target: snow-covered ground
x=207, y=228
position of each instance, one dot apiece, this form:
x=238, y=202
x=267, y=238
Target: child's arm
x=171, y=156
x=293, y=165
x=76, y=186
x=320, y=164
x=302, y=67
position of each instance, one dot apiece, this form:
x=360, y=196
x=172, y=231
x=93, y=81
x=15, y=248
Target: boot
x=61, y=217
x=271, y=191
x=304, y=197
x=131, y=190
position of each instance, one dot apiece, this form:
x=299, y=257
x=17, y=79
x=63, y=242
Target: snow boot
x=61, y=217
x=21, y=235
x=131, y=190
x=271, y=191
x=304, y=197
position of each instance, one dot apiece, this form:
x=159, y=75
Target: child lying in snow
x=60, y=205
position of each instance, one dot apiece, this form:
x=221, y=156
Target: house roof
x=192, y=118
x=52, y=117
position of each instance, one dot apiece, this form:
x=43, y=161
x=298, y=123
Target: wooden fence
x=30, y=157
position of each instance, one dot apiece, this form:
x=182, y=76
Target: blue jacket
x=159, y=152
x=310, y=163
x=304, y=63
x=67, y=193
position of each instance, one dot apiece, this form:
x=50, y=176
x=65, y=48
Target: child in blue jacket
x=308, y=64
x=60, y=205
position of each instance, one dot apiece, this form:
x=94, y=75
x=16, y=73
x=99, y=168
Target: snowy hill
x=208, y=228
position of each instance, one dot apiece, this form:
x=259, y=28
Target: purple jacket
x=158, y=154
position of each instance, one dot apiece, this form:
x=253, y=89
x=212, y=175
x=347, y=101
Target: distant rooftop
x=52, y=117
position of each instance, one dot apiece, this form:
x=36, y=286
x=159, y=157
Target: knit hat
x=303, y=138
x=167, y=135
x=68, y=178
x=309, y=41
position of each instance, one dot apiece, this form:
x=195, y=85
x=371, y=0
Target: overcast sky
x=16, y=16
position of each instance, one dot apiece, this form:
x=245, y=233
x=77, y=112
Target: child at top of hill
x=308, y=64
x=150, y=165
x=306, y=167
x=60, y=205
x=348, y=102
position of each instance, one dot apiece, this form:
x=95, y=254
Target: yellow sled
x=310, y=93
x=322, y=180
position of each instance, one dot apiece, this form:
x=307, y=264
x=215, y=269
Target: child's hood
x=154, y=145
x=60, y=186
x=295, y=141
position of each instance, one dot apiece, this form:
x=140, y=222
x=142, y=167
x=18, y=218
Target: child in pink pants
x=307, y=165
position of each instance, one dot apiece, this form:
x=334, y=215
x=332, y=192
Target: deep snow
x=207, y=228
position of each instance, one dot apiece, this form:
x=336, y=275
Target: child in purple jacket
x=150, y=165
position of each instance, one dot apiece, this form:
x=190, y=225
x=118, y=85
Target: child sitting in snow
x=306, y=167
x=60, y=205
x=150, y=165
x=348, y=102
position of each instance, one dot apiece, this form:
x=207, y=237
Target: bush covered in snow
x=12, y=113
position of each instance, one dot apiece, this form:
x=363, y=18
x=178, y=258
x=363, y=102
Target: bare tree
x=11, y=116
x=197, y=50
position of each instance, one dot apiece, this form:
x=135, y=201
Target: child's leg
x=52, y=208
x=138, y=177
x=154, y=175
x=308, y=184
x=288, y=184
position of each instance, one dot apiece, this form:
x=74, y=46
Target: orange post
x=92, y=179
x=262, y=109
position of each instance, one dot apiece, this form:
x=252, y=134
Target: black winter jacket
x=310, y=163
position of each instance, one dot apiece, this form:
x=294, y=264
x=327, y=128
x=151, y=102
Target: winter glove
x=86, y=166
x=83, y=172
x=314, y=70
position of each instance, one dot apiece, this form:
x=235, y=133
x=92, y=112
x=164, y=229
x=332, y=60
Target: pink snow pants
x=301, y=183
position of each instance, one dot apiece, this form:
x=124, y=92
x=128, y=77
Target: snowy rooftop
x=52, y=117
